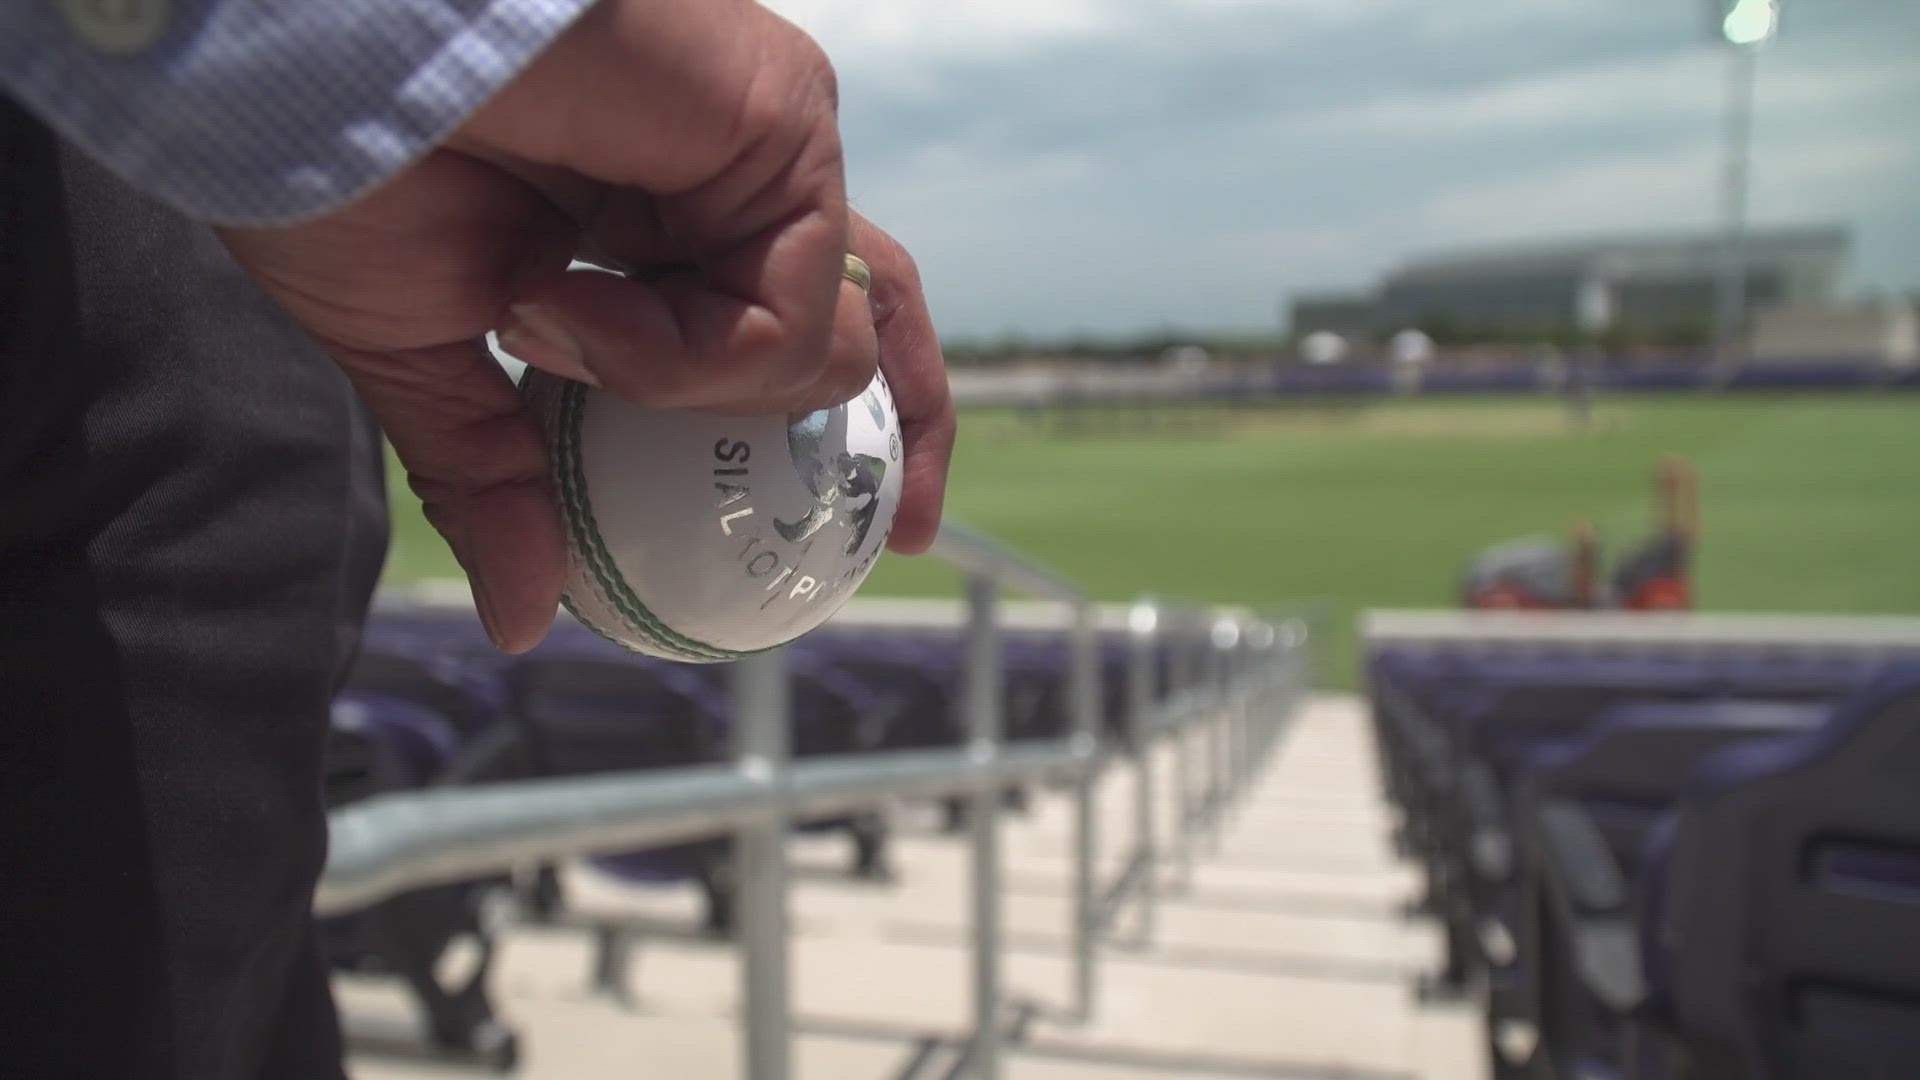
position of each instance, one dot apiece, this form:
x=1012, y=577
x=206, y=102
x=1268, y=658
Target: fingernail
x=535, y=335
x=483, y=603
x=489, y=614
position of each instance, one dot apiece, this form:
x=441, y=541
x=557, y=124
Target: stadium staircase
x=1281, y=951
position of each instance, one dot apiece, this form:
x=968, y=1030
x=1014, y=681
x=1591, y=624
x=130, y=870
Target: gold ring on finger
x=858, y=272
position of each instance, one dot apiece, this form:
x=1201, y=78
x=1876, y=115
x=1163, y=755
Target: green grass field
x=1810, y=503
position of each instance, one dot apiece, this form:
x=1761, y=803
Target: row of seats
x=430, y=702
x=1662, y=862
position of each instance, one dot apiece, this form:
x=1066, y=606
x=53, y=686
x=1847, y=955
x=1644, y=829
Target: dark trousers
x=191, y=524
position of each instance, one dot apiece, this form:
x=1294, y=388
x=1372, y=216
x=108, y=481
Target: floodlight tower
x=1743, y=26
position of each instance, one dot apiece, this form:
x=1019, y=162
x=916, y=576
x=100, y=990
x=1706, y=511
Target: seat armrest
x=1492, y=853
x=1489, y=847
x=1607, y=956
x=497, y=754
x=1578, y=862
x=1590, y=898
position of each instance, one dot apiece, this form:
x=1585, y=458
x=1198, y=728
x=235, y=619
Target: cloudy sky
x=1110, y=166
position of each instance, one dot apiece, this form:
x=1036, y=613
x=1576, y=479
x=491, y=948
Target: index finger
x=911, y=359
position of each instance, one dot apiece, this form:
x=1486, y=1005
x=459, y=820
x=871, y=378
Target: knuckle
x=768, y=356
x=826, y=80
x=896, y=276
x=812, y=68
x=791, y=380
x=906, y=269
x=759, y=116
x=645, y=387
x=517, y=455
x=900, y=262
x=852, y=374
x=851, y=368
x=794, y=84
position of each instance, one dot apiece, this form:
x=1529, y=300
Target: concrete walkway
x=1281, y=954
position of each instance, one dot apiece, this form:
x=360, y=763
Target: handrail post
x=1235, y=763
x=760, y=695
x=984, y=705
x=1225, y=633
x=1141, y=656
x=1245, y=668
x=1296, y=638
x=1181, y=684
x=1267, y=719
x=1085, y=708
x=1231, y=763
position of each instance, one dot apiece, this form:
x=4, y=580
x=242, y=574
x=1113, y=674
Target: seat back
x=403, y=647
x=584, y=713
x=1631, y=766
x=1789, y=910
x=407, y=675
x=412, y=742
x=925, y=709
x=836, y=713
x=1033, y=671
x=378, y=743
x=588, y=707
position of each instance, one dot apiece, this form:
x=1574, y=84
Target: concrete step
x=1281, y=953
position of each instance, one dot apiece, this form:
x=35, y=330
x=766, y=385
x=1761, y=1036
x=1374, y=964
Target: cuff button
x=117, y=26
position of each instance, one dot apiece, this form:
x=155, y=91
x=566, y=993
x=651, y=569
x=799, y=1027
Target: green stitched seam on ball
x=592, y=545
x=586, y=530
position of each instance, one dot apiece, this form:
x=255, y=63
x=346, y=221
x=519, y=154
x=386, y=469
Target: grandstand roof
x=1644, y=255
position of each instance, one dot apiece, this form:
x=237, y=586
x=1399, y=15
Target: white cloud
x=1690, y=84
x=1112, y=165
x=1673, y=188
x=868, y=32
x=851, y=29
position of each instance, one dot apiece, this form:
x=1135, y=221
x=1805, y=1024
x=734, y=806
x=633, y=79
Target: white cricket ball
x=703, y=538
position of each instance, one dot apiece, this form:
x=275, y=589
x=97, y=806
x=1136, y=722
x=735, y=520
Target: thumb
x=479, y=465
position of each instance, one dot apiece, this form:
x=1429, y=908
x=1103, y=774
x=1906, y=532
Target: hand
x=652, y=135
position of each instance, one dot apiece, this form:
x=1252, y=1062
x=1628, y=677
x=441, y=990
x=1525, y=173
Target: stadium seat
x=443, y=658
x=587, y=707
x=922, y=702
x=1606, y=790
x=380, y=743
x=1456, y=724
x=463, y=687
x=832, y=713
x=1780, y=931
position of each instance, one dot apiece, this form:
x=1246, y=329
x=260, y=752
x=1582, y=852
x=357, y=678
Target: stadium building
x=1640, y=281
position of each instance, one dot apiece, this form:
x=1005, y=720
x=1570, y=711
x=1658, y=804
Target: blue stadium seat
x=453, y=648
x=1503, y=379
x=832, y=713
x=381, y=742
x=1584, y=812
x=586, y=707
x=920, y=698
x=418, y=740
x=1456, y=724
x=1830, y=373
x=1781, y=928
x=1654, y=377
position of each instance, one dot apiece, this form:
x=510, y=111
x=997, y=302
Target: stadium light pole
x=1744, y=26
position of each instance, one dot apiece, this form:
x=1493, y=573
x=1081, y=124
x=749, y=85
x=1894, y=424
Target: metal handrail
x=394, y=843
x=978, y=554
